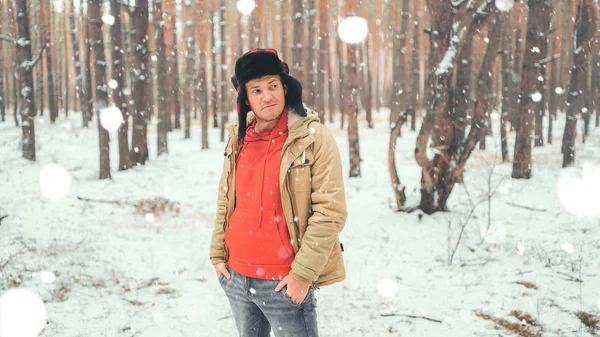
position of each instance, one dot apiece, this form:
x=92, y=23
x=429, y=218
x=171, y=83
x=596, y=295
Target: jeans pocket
x=291, y=301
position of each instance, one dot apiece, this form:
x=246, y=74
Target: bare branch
x=412, y=316
x=546, y=60
x=3, y=217
x=39, y=55
x=526, y=207
x=9, y=39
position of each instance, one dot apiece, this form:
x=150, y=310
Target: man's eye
x=274, y=86
x=255, y=91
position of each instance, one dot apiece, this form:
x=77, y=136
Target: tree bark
x=215, y=60
x=50, y=82
x=88, y=69
x=585, y=30
x=298, y=26
x=342, y=82
x=2, y=95
x=2, y=105
x=95, y=24
x=14, y=71
x=351, y=102
x=141, y=87
x=400, y=11
x=190, y=58
x=202, y=84
x=536, y=46
x=118, y=75
x=2, y=65
x=25, y=81
x=415, y=77
x=396, y=130
x=322, y=45
x=224, y=69
x=517, y=77
x=172, y=52
x=67, y=64
x=484, y=99
x=447, y=41
x=162, y=66
x=441, y=22
x=506, y=81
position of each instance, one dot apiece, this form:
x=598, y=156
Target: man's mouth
x=268, y=106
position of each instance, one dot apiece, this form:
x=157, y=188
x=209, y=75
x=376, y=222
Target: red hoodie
x=257, y=235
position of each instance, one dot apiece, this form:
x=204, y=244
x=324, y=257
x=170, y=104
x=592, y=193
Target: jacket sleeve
x=217, y=244
x=328, y=209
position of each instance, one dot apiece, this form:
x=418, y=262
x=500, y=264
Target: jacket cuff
x=299, y=278
x=217, y=259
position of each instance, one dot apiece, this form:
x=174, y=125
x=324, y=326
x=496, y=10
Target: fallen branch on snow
x=526, y=207
x=568, y=277
x=116, y=202
x=412, y=316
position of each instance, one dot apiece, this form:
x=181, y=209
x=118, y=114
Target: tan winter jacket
x=312, y=195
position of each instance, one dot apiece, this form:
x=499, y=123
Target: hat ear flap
x=293, y=99
x=242, y=109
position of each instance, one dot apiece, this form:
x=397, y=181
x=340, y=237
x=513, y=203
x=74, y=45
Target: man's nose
x=268, y=97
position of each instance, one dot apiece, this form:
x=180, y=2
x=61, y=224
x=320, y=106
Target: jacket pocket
x=300, y=172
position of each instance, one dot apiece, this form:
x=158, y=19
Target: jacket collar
x=297, y=125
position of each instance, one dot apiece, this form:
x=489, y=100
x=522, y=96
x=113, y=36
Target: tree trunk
x=215, y=61
x=396, y=130
x=536, y=47
x=441, y=21
x=351, y=102
x=161, y=73
x=311, y=54
x=415, y=77
x=461, y=105
x=484, y=100
x=2, y=95
x=223, y=54
x=322, y=45
x=88, y=69
x=67, y=64
x=400, y=11
x=343, y=75
x=188, y=17
x=506, y=81
x=94, y=13
x=202, y=84
x=447, y=41
x=585, y=29
x=40, y=87
x=331, y=48
x=298, y=27
x=118, y=75
x=47, y=24
x=2, y=106
x=172, y=52
x=141, y=87
x=80, y=90
x=25, y=81
x=588, y=104
x=517, y=77
x=556, y=76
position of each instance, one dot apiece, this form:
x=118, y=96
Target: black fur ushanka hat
x=258, y=63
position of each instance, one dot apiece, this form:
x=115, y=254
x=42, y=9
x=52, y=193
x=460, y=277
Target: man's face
x=266, y=97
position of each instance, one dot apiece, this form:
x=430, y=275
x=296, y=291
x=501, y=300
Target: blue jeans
x=257, y=308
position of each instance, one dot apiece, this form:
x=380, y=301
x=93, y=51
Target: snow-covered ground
x=122, y=273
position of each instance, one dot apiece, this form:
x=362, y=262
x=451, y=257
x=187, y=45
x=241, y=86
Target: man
x=281, y=204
